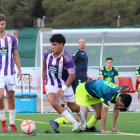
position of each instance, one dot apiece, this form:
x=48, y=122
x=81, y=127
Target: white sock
x=56, y=120
x=2, y=115
x=12, y=116
x=68, y=116
x=80, y=114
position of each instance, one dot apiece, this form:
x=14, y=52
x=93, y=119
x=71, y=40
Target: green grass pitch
x=128, y=123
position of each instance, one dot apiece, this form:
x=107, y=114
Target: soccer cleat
x=92, y=129
x=3, y=126
x=82, y=121
x=54, y=126
x=13, y=128
x=76, y=126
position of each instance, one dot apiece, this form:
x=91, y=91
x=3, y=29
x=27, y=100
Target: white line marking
x=69, y=134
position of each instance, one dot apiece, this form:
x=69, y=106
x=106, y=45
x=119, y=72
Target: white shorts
x=8, y=82
x=67, y=96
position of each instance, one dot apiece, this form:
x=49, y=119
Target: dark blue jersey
x=80, y=59
x=103, y=89
x=109, y=74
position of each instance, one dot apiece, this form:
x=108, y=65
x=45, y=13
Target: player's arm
x=115, y=116
x=103, y=119
x=75, y=56
x=116, y=74
x=138, y=78
x=117, y=81
x=101, y=73
x=101, y=77
x=70, y=79
x=44, y=69
x=17, y=62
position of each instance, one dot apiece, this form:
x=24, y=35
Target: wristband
x=64, y=87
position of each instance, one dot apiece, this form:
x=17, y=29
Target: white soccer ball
x=28, y=126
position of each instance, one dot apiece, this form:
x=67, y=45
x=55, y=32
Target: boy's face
x=109, y=63
x=57, y=47
x=2, y=26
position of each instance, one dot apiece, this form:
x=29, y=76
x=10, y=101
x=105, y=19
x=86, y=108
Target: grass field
x=128, y=123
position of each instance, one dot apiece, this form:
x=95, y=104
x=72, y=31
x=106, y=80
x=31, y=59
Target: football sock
x=80, y=114
x=2, y=115
x=68, y=116
x=92, y=122
x=62, y=120
x=12, y=116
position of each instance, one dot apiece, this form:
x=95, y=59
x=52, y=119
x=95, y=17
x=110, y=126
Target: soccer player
x=108, y=72
x=58, y=70
x=80, y=59
x=138, y=78
x=8, y=51
x=90, y=93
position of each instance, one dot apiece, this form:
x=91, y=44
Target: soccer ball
x=28, y=126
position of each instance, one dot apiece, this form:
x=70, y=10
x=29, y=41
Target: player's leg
x=11, y=87
x=62, y=120
x=97, y=116
x=80, y=100
x=2, y=111
x=51, y=94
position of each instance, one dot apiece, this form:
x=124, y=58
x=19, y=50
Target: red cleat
x=3, y=126
x=13, y=128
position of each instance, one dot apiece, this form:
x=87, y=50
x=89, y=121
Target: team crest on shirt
x=112, y=73
x=3, y=51
x=118, y=91
x=61, y=62
x=9, y=41
x=53, y=69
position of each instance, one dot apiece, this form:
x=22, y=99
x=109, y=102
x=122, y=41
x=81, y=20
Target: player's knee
x=10, y=99
x=98, y=116
x=73, y=108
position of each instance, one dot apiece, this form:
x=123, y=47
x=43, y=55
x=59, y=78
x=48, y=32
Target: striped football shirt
x=7, y=45
x=57, y=68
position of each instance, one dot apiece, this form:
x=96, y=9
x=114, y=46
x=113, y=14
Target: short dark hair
x=126, y=99
x=59, y=38
x=109, y=58
x=2, y=17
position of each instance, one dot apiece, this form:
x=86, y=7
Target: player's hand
x=115, y=130
x=19, y=75
x=43, y=75
x=59, y=93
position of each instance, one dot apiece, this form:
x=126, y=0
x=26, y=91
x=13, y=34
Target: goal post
x=123, y=45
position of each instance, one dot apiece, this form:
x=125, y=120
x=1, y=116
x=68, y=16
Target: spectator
x=108, y=72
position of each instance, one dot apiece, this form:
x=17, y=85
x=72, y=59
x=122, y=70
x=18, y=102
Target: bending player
x=90, y=93
x=58, y=70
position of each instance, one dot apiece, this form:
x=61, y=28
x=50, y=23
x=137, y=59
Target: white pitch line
x=132, y=134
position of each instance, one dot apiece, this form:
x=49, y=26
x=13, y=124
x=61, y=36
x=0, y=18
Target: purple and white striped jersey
x=7, y=45
x=57, y=68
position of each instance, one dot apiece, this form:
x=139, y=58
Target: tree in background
x=70, y=13
x=18, y=12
